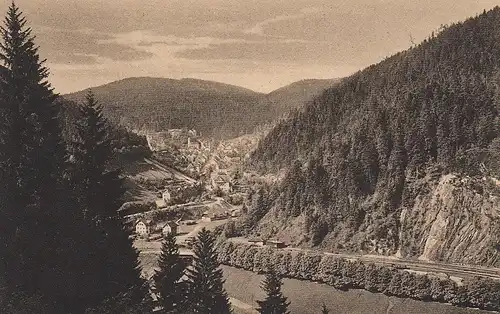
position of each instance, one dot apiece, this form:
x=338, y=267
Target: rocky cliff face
x=450, y=218
x=455, y=219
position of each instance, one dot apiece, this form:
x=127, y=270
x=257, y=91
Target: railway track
x=456, y=270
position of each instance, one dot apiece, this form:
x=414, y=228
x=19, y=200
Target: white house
x=166, y=196
x=143, y=227
x=164, y=201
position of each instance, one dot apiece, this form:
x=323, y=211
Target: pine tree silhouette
x=113, y=266
x=37, y=223
x=275, y=302
x=324, y=309
x=171, y=291
x=206, y=293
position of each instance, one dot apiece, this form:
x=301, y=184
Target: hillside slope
x=214, y=109
x=296, y=95
x=365, y=162
x=156, y=104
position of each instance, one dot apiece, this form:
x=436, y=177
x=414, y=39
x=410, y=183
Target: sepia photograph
x=249, y=156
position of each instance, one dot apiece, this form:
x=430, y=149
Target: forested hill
x=212, y=108
x=398, y=157
x=157, y=104
x=294, y=96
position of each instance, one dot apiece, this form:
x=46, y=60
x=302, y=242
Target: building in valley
x=170, y=227
x=143, y=227
x=164, y=201
x=275, y=244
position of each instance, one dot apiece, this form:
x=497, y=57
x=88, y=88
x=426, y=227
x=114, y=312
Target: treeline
x=157, y=104
x=123, y=140
x=63, y=245
x=344, y=274
x=351, y=154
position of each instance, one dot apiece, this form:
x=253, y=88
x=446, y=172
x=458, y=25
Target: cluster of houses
x=159, y=141
x=145, y=227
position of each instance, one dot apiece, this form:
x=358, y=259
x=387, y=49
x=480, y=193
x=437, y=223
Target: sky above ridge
x=258, y=44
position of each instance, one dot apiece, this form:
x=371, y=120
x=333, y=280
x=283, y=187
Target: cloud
x=259, y=44
x=289, y=51
x=258, y=29
x=83, y=47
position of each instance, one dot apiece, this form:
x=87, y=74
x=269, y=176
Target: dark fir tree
x=98, y=189
x=324, y=309
x=36, y=221
x=206, y=293
x=275, y=302
x=169, y=288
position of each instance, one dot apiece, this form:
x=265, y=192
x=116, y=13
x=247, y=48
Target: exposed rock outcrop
x=453, y=220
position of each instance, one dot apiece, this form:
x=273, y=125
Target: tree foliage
x=275, y=302
x=97, y=191
x=362, y=140
x=206, y=293
x=37, y=223
x=324, y=309
x=170, y=290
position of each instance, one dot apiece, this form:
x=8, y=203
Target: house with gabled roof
x=144, y=227
x=170, y=227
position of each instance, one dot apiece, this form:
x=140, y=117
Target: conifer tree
x=98, y=190
x=324, y=309
x=37, y=224
x=206, y=293
x=170, y=290
x=275, y=302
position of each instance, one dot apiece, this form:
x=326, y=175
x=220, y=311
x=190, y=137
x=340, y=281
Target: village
x=186, y=185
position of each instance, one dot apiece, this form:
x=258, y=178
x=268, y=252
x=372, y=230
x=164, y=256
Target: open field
x=306, y=297
x=149, y=170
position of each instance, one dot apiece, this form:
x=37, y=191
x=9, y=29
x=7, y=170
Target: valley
x=373, y=188
x=149, y=251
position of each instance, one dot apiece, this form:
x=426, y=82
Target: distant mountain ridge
x=298, y=94
x=212, y=108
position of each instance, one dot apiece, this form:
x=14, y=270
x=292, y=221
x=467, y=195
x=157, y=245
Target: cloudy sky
x=258, y=44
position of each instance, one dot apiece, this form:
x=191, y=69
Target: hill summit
x=213, y=109
x=157, y=104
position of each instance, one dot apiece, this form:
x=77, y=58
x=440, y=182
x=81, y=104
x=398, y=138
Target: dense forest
x=351, y=158
x=123, y=140
x=157, y=104
x=213, y=109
